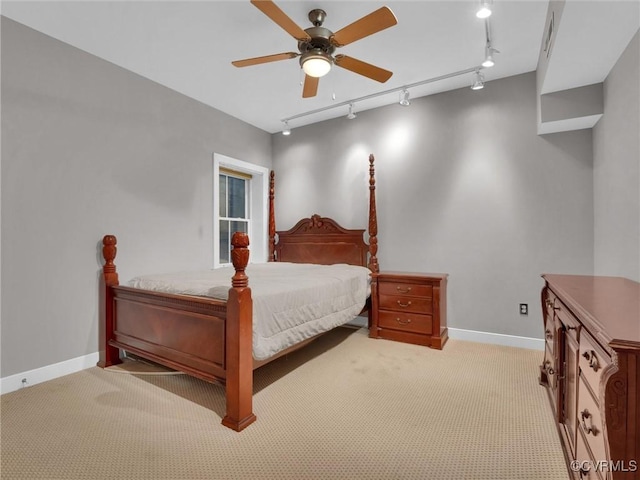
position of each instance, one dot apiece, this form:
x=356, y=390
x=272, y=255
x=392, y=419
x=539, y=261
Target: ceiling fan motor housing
x=318, y=46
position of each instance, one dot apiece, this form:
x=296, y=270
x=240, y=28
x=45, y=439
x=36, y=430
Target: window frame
x=258, y=206
x=246, y=218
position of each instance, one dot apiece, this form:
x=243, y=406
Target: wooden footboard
x=203, y=337
x=209, y=338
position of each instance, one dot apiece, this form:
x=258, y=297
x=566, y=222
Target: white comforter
x=291, y=301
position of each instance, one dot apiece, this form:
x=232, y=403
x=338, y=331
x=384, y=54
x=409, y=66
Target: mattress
x=291, y=301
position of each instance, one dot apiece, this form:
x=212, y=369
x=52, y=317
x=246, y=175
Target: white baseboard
x=496, y=339
x=39, y=375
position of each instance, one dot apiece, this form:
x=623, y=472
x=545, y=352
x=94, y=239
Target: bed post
x=272, y=218
x=373, y=219
x=108, y=355
x=373, y=243
x=239, y=332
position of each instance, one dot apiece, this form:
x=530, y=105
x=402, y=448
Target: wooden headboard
x=321, y=240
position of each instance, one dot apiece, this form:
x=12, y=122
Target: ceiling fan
x=317, y=44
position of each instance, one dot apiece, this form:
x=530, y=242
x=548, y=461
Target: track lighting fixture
x=404, y=98
x=351, y=103
x=351, y=114
x=488, y=56
x=478, y=81
x=484, y=10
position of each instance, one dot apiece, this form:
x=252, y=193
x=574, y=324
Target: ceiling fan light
x=484, y=11
x=315, y=63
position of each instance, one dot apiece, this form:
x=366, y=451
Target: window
x=240, y=191
x=234, y=216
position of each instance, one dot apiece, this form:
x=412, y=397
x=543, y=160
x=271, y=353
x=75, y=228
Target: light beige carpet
x=345, y=407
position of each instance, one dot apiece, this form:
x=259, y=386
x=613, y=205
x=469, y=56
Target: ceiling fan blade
x=266, y=59
x=272, y=11
x=310, y=88
x=363, y=68
x=367, y=25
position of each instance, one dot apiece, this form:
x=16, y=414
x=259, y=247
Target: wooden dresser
x=409, y=307
x=591, y=369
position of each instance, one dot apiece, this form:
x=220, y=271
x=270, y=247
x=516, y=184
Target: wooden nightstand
x=409, y=307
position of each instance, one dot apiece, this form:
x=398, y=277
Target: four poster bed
x=215, y=338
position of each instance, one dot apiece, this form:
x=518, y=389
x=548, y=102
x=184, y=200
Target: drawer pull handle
x=403, y=290
x=403, y=322
x=549, y=368
x=549, y=334
x=589, y=429
x=592, y=359
x=571, y=327
x=404, y=304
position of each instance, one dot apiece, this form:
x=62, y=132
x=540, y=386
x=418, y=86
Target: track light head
x=351, y=114
x=488, y=56
x=404, y=98
x=478, y=81
x=286, y=130
x=484, y=10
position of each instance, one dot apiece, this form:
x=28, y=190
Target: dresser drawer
x=550, y=334
x=593, y=361
x=590, y=422
x=584, y=464
x=550, y=368
x=407, y=322
x=402, y=303
x=567, y=318
x=549, y=303
x=408, y=289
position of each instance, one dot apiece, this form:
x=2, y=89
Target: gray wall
x=88, y=149
x=616, y=154
x=465, y=186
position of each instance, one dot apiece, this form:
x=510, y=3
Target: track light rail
x=380, y=94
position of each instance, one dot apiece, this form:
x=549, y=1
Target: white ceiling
x=189, y=45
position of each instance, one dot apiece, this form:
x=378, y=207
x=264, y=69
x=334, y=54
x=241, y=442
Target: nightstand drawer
x=408, y=322
x=398, y=288
x=401, y=303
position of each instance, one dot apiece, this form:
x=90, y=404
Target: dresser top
x=611, y=305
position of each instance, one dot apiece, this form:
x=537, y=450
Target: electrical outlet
x=524, y=309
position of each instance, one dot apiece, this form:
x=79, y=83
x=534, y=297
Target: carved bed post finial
x=109, y=251
x=240, y=258
x=272, y=218
x=373, y=219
